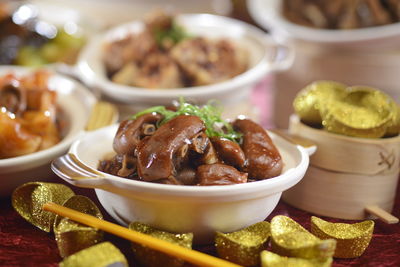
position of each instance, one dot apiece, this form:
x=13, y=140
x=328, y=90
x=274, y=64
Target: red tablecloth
x=22, y=244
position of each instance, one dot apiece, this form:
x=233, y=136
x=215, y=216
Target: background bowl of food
x=352, y=42
x=175, y=171
x=37, y=35
x=41, y=114
x=196, y=56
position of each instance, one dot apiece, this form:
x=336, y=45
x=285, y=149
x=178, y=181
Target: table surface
x=22, y=244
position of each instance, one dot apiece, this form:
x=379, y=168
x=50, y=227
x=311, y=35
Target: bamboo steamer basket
x=346, y=174
x=350, y=154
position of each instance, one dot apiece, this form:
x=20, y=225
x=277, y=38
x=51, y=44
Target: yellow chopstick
x=189, y=255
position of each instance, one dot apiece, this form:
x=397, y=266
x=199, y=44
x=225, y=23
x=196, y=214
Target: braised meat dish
x=191, y=146
x=163, y=55
x=29, y=117
x=342, y=14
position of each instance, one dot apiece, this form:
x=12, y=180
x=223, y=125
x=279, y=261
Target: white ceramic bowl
x=76, y=103
x=268, y=14
x=367, y=56
x=265, y=55
x=177, y=208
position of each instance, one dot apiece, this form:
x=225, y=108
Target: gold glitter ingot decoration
x=269, y=259
x=352, y=239
x=71, y=236
x=394, y=125
x=313, y=97
x=101, y=255
x=243, y=247
x=29, y=198
x=288, y=238
x=150, y=257
x=364, y=112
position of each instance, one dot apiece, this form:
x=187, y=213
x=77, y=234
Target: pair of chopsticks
x=192, y=256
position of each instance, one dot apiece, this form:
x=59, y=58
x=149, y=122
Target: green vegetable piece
x=210, y=114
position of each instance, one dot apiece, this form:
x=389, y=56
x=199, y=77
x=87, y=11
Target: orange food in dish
x=28, y=114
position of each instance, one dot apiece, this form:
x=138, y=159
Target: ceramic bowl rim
x=271, y=18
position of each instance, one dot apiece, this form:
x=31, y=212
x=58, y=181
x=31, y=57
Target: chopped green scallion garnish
x=210, y=114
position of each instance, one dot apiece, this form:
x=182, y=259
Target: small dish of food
x=196, y=56
x=41, y=113
x=184, y=169
x=35, y=35
x=357, y=43
x=357, y=24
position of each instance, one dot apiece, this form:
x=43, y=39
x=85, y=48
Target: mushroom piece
x=202, y=151
x=263, y=158
x=13, y=98
x=129, y=133
x=156, y=155
x=112, y=165
x=200, y=142
x=148, y=129
x=219, y=174
x=181, y=156
x=128, y=166
x=209, y=156
x=230, y=152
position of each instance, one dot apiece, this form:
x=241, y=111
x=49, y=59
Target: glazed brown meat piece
x=156, y=154
x=187, y=176
x=133, y=48
x=230, y=152
x=130, y=132
x=207, y=61
x=263, y=158
x=219, y=174
x=157, y=70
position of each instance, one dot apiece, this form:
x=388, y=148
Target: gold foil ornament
x=290, y=239
x=29, y=198
x=243, y=247
x=363, y=112
x=394, y=125
x=269, y=259
x=150, y=257
x=352, y=239
x=100, y=255
x=313, y=97
x=71, y=236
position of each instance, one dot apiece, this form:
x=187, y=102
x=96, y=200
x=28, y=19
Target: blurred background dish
x=74, y=103
x=111, y=13
x=41, y=35
x=264, y=54
x=364, y=56
x=342, y=14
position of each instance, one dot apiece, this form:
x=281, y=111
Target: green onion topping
x=210, y=114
